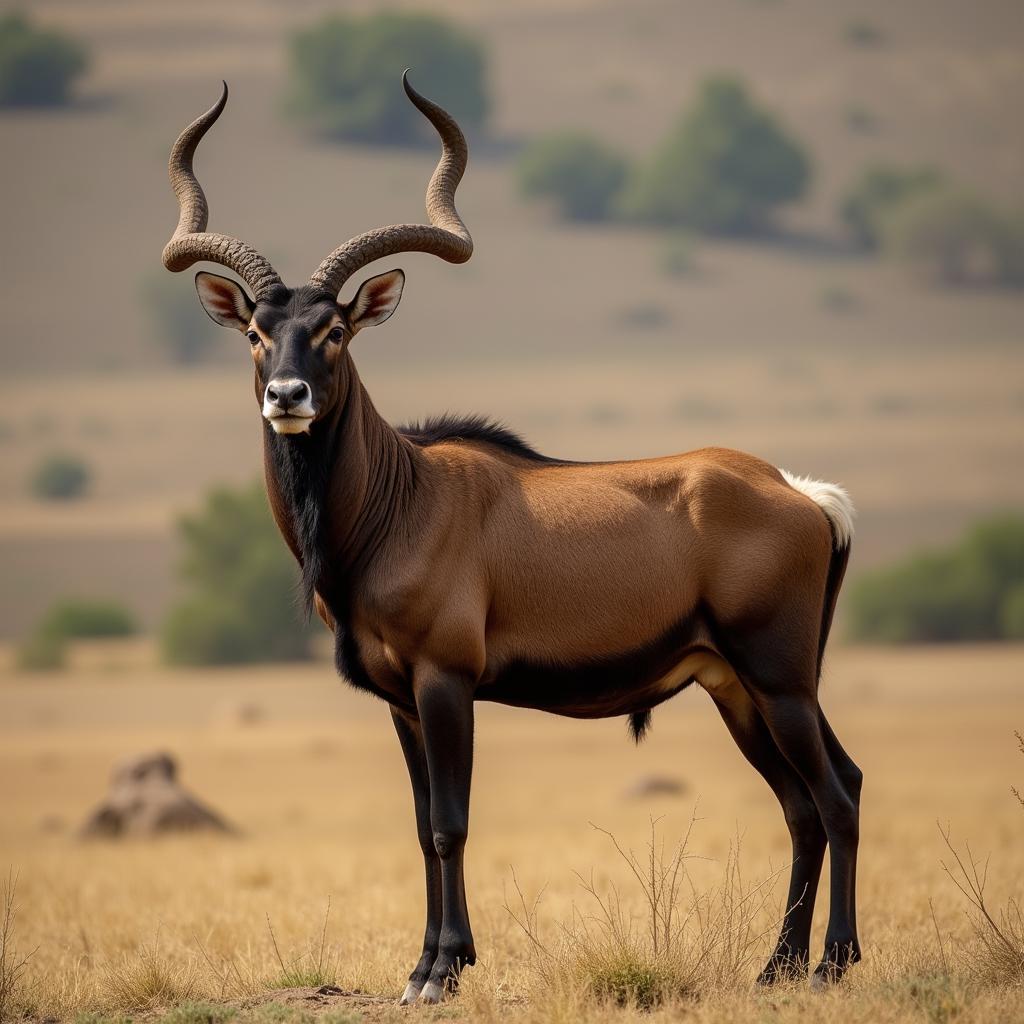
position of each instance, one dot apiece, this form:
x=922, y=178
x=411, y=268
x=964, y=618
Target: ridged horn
x=191, y=242
x=446, y=236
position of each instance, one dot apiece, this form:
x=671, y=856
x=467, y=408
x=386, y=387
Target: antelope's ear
x=375, y=301
x=225, y=301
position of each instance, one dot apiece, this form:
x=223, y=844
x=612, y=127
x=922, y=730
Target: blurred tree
x=576, y=170
x=80, y=617
x=723, y=169
x=345, y=75
x=46, y=646
x=955, y=237
x=244, y=606
x=972, y=591
x=1012, y=616
x=877, y=192
x=37, y=66
x=180, y=326
x=60, y=478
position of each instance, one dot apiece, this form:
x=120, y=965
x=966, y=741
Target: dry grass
x=321, y=790
x=148, y=979
x=314, y=967
x=998, y=934
x=677, y=950
x=12, y=963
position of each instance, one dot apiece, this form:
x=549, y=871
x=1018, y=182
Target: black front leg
x=445, y=706
x=410, y=734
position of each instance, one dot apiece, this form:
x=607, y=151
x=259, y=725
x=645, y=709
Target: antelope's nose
x=286, y=394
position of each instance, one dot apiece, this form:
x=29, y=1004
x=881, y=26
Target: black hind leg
x=792, y=952
x=794, y=720
x=852, y=778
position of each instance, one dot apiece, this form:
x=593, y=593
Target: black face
x=298, y=339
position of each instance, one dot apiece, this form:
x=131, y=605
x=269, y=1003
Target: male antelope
x=455, y=564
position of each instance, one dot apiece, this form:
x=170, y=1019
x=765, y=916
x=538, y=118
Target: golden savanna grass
x=580, y=910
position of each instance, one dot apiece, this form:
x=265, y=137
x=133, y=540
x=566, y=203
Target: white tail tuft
x=832, y=499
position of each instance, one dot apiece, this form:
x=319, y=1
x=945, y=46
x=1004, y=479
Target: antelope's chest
x=370, y=663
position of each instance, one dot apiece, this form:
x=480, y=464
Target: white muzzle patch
x=288, y=406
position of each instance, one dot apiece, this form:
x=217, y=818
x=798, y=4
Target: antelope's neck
x=340, y=492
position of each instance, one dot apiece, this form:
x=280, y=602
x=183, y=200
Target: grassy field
x=318, y=787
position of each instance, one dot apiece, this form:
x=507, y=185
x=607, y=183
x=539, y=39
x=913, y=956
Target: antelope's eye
x=254, y=338
x=337, y=333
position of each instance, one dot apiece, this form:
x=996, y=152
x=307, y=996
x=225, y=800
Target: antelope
x=455, y=564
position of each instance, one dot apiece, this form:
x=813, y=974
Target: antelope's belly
x=600, y=688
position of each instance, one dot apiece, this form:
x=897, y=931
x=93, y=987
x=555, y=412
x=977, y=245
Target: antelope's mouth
x=288, y=423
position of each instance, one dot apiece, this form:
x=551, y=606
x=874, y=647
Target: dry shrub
x=64, y=987
x=997, y=954
x=149, y=980
x=236, y=976
x=685, y=944
x=12, y=964
x=315, y=967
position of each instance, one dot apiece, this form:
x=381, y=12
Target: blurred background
x=786, y=226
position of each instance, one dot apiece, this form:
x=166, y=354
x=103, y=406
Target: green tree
x=970, y=591
x=37, y=66
x=955, y=237
x=579, y=172
x=243, y=606
x=82, y=618
x=344, y=75
x=879, y=190
x=724, y=168
x=46, y=646
x=60, y=477
x=1012, y=615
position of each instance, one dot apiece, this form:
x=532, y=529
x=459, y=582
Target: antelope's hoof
x=837, y=961
x=431, y=993
x=783, y=968
x=827, y=974
x=412, y=990
x=824, y=977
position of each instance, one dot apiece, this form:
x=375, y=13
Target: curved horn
x=191, y=242
x=446, y=236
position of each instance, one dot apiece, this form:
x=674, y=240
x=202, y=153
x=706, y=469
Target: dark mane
x=302, y=466
x=450, y=427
